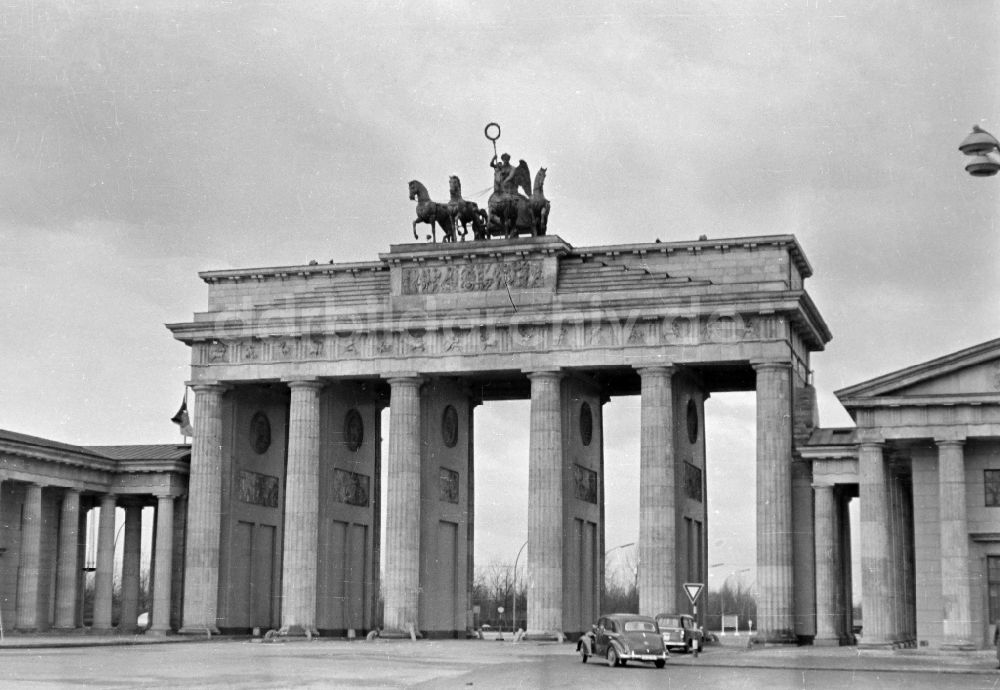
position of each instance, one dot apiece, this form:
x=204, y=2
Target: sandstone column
x=827, y=567
x=162, y=563
x=68, y=568
x=956, y=596
x=876, y=556
x=545, y=506
x=402, y=507
x=28, y=589
x=201, y=566
x=298, y=564
x=657, y=571
x=131, y=558
x=775, y=606
x=104, y=578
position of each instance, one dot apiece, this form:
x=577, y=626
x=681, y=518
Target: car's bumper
x=636, y=656
x=694, y=643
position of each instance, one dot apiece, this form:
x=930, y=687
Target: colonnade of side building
x=47, y=492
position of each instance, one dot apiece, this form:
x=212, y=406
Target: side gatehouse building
x=272, y=518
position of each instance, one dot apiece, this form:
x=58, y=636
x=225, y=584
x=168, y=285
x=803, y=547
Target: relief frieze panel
x=473, y=277
x=511, y=336
x=448, y=485
x=257, y=489
x=584, y=483
x=351, y=488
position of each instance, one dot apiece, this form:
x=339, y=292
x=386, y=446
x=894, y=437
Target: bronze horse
x=539, y=204
x=464, y=212
x=432, y=213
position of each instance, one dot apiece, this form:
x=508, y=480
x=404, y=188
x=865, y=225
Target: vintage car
x=623, y=637
x=680, y=632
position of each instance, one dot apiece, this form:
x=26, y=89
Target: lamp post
x=513, y=608
x=722, y=593
x=980, y=146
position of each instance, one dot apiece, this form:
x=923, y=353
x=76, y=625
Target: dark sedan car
x=624, y=637
x=680, y=632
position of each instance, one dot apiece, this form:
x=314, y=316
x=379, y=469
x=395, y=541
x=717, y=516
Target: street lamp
x=513, y=613
x=980, y=146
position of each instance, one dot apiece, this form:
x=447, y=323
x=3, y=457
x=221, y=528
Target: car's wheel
x=660, y=663
x=613, y=659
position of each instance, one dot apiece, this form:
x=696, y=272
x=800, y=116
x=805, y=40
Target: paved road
x=477, y=664
x=555, y=673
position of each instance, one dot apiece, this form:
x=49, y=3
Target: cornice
x=283, y=272
x=962, y=399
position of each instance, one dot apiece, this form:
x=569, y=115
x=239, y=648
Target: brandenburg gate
x=291, y=367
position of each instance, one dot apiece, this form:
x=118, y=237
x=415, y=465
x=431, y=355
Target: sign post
x=693, y=591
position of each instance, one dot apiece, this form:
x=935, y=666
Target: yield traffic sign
x=693, y=590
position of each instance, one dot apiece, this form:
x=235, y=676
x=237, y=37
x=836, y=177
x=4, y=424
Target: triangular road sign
x=693, y=590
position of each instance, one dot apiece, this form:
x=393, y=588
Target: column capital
x=655, y=369
x=949, y=442
x=552, y=374
x=820, y=487
x=304, y=383
x=201, y=387
x=405, y=379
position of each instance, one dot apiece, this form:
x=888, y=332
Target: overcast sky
x=143, y=142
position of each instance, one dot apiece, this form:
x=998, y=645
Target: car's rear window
x=639, y=626
x=669, y=621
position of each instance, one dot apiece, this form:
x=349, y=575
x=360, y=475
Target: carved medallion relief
x=354, y=430
x=449, y=426
x=260, y=433
x=586, y=424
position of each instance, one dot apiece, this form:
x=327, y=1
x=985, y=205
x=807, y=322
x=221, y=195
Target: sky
x=141, y=143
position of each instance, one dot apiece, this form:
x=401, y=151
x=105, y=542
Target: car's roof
x=674, y=615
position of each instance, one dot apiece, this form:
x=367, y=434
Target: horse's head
x=540, y=179
x=415, y=189
x=455, y=185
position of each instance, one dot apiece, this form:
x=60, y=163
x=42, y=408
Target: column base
x=544, y=636
x=298, y=631
x=876, y=645
x=831, y=641
x=959, y=647
x=785, y=637
x=397, y=634
x=159, y=632
x=198, y=630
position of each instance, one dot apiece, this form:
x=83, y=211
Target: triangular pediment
x=972, y=372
